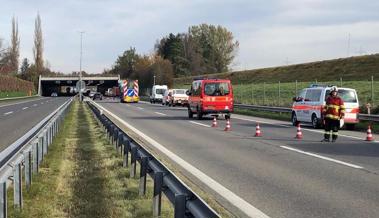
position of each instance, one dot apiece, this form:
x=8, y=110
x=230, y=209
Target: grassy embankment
x=13, y=94
x=82, y=176
x=250, y=85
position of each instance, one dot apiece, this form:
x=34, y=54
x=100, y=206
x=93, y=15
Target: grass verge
x=82, y=176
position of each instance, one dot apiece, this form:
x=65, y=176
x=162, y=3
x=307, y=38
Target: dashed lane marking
x=7, y=113
x=160, y=113
x=200, y=124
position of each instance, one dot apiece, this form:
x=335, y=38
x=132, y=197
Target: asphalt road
x=281, y=176
x=17, y=118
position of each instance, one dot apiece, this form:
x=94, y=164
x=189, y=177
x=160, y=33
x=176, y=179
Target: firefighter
x=333, y=112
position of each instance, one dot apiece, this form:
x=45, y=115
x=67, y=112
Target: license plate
x=350, y=116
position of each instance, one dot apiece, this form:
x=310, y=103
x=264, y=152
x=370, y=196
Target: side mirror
x=188, y=92
x=294, y=99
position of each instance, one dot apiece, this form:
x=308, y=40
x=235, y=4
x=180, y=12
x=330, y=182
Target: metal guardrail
x=26, y=154
x=186, y=203
x=365, y=117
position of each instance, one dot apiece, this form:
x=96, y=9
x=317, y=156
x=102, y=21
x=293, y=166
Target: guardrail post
x=143, y=171
x=126, y=143
x=115, y=138
x=133, y=162
x=3, y=200
x=28, y=169
x=119, y=142
x=158, y=182
x=179, y=206
x=17, y=185
x=35, y=155
x=40, y=150
x=44, y=144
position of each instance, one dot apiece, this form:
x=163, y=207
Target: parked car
x=97, y=95
x=307, y=106
x=210, y=96
x=157, y=93
x=166, y=97
x=54, y=94
x=178, y=97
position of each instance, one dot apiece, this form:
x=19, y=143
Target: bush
x=12, y=84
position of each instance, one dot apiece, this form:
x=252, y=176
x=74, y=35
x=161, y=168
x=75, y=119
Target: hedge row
x=12, y=84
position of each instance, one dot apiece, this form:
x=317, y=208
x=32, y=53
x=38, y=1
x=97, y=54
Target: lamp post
x=80, y=68
x=154, y=80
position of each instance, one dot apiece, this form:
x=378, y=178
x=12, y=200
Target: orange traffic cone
x=214, y=123
x=369, y=134
x=258, y=132
x=299, y=134
x=227, y=127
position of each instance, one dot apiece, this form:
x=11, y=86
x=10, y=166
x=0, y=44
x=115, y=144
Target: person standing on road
x=334, y=111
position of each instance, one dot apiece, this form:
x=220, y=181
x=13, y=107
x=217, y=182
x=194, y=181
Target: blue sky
x=270, y=33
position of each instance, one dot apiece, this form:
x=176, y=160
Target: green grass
x=82, y=176
x=13, y=94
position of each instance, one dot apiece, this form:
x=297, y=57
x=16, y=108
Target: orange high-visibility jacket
x=334, y=108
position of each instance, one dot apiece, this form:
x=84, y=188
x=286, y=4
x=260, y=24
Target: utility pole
x=80, y=68
x=154, y=80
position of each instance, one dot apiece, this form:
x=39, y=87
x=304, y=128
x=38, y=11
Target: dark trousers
x=331, y=128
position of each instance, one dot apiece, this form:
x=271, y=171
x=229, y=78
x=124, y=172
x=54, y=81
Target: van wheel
x=294, y=119
x=190, y=114
x=199, y=114
x=315, y=121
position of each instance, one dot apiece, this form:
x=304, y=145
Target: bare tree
x=15, y=46
x=38, y=45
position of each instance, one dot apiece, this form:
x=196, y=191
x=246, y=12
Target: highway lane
x=278, y=181
x=19, y=117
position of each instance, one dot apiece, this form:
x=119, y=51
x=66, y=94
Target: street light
x=154, y=80
x=80, y=70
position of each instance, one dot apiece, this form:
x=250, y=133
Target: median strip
x=82, y=176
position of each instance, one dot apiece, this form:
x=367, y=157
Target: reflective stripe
x=335, y=133
x=333, y=106
x=327, y=132
x=331, y=116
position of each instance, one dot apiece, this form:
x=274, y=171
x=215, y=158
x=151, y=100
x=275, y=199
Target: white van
x=308, y=105
x=157, y=93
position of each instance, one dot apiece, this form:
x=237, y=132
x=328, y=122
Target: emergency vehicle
x=129, y=91
x=210, y=96
x=307, y=106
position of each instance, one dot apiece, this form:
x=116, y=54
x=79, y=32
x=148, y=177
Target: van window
x=196, y=88
x=180, y=92
x=160, y=91
x=348, y=96
x=313, y=95
x=216, y=89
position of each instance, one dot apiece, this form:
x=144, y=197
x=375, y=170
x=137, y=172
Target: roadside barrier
x=186, y=203
x=27, y=153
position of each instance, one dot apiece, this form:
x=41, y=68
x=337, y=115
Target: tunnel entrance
x=66, y=86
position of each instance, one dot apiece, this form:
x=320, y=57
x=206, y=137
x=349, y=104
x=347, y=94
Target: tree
x=24, y=68
x=217, y=46
x=15, y=47
x=38, y=45
x=125, y=64
x=163, y=71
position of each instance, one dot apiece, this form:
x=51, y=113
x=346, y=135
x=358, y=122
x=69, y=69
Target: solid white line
x=10, y=112
x=322, y=157
x=160, y=113
x=24, y=108
x=228, y=195
x=199, y=123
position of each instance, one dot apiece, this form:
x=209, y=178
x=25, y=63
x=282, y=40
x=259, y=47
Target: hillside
x=359, y=68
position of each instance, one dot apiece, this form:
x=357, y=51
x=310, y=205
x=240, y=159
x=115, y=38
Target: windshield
x=216, y=89
x=180, y=91
x=160, y=91
x=347, y=96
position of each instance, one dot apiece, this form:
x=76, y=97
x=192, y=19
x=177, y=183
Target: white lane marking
x=322, y=157
x=20, y=102
x=290, y=126
x=199, y=124
x=140, y=108
x=10, y=112
x=228, y=195
x=24, y=108
x=35, y=105
x=41, y=102
x=160, y=113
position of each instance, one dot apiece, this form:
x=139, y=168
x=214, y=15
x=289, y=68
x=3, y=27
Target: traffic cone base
x=258, y=132
x=227, y=127
x=214, y=123
x=369, y=134
x=299, y=134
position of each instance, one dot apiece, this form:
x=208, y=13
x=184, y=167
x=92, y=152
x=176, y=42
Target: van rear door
x=350, y=98
x=218, y=96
